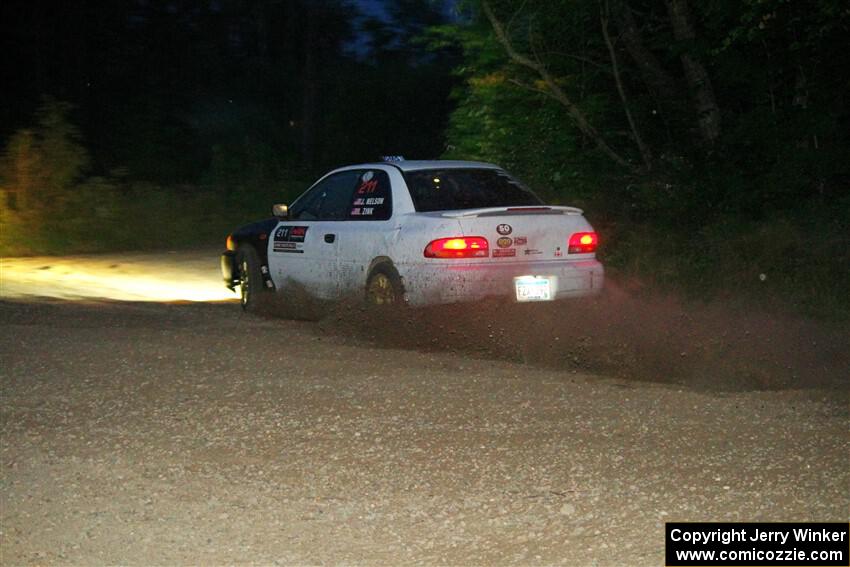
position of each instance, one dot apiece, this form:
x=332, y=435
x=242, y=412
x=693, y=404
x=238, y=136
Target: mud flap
x=229, y=270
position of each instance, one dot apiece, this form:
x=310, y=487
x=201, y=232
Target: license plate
x=533, y=288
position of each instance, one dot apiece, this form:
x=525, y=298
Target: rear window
x=453, y=189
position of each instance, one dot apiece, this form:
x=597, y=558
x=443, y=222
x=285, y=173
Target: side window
x=328, y=200
x=307, y=206
x=372, y=200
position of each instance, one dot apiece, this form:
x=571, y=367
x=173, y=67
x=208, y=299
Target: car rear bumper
x=446, y=282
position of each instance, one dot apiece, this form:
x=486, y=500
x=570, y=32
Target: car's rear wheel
x=252, y=292
x=384, y=286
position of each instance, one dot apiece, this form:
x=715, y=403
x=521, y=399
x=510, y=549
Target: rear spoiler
x=499, y=211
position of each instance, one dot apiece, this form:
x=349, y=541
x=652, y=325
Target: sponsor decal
x=532, y=251
x=289, y=239
x=521, y=240
x=292, y=247
x=504, y=252
x=367, y=176
x=290, y=234
x=504, y=229
x=504, y=242
x=558, y=252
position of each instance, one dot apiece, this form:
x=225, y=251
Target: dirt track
x=173, y=434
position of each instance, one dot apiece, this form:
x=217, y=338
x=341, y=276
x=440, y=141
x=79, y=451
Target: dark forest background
x=709, y=142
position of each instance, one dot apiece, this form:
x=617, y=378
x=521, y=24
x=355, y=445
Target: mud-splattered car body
x=422, y=232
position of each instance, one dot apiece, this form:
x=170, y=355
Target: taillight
x=583, y=243
x=458, y=247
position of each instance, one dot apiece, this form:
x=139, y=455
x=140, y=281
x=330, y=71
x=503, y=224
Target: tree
x=550, y=86
x=699, y=82
x=645, y=152
x=42, y=165
x=40, y=172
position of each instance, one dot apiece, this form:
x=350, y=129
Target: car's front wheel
x=251, y=289
x=384, y=286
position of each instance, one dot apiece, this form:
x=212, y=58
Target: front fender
x=255, y=234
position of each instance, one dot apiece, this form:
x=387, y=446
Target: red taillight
x=458, y=247
x=583, y=243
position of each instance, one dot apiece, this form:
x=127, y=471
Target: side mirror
x=280, y=211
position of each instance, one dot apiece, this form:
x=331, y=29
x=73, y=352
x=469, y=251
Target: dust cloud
x=621, y=333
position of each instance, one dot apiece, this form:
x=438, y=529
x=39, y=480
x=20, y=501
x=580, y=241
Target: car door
x=304, y=247
x=368, y=231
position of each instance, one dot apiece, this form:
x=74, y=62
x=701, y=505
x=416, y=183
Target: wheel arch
x=386, y=263
x=257, y=236
x=377, y=261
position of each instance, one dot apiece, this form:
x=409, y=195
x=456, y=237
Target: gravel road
x=167, y=434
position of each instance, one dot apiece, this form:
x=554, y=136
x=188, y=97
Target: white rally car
x=419, y=232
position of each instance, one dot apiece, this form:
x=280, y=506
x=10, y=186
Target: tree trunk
x=552, y=88
x=655, y=77
x=708, y=113
x=645, y=153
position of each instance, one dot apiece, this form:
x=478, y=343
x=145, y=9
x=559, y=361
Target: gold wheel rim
x=381, y=290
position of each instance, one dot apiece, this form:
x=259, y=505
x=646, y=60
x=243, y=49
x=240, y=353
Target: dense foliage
x=715, y=149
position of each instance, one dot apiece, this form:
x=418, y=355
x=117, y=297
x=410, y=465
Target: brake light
x=583, y=243
x=458, y=247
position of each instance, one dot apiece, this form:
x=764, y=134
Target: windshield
x=466, y=188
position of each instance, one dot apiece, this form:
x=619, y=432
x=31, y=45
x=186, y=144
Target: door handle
x=329, y=238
